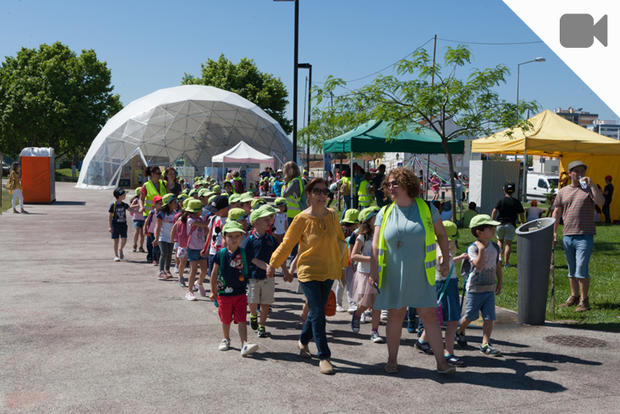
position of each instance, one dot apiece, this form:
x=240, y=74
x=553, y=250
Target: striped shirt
x=577, y=210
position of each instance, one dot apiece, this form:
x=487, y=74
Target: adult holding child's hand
x=403, y=262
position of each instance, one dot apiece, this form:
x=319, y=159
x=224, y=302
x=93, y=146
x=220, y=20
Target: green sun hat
x=204, y=192
x=280, y=201
x=167, y=198
x=263, y=211
x=185, y=202
x=138, y=190
x=232, y=226
x=482, y=220
x=216, y=188
x=193, y=206
x=367, y=213
x=234, y=198
x=257, y=202
x=193, y=193
x=351, y=216
x=182, y=197
x=211, y=198
x=236, y=214
x=246, y=197
x=451, y=229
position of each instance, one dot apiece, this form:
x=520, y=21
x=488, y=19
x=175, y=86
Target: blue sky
x=149, y=45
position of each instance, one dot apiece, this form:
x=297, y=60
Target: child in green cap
x=280, y=223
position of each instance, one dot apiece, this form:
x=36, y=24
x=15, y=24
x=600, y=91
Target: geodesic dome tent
x=194, y=122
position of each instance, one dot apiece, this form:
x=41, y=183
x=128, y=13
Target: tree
x=427, y=94
x=51, y=97
x=244, y=79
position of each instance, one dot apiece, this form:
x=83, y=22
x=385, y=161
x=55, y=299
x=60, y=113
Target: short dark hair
x=472, y=205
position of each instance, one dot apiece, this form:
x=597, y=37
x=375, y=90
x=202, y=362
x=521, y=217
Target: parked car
x=6, y=167
x=540, y=184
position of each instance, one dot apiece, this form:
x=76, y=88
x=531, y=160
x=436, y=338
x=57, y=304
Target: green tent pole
x=351, y=175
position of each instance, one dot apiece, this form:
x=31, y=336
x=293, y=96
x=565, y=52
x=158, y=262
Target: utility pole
x=428, y=156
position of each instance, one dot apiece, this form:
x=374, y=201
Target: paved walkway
x=80, y=333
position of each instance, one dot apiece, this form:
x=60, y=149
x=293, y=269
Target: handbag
x=439, y=308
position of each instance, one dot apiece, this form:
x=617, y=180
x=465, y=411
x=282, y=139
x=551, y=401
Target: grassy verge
x=64, y=174
x=604, y=289
x=6, y=199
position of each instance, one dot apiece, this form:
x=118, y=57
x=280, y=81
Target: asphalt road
x=80, y=333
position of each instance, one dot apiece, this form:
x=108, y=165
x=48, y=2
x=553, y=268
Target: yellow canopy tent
x=553, y=136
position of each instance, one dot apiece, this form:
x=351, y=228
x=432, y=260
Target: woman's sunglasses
x=323, y=191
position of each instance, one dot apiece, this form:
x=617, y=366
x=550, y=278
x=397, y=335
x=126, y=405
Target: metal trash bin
x=535, y=241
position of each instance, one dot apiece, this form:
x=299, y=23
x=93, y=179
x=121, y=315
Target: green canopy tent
x=372, y=136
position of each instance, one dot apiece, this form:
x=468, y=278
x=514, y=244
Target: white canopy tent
x=242, y=153
x=190, y=121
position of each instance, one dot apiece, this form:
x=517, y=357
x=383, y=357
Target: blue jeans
x=314, y=327
x=577, y=250
x=152, y=254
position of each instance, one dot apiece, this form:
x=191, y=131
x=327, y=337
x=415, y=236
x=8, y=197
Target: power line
x=491, y=43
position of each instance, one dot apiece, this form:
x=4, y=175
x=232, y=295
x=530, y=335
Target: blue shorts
x=138, y=224
x=477, y=302
x=450, y=300
x=577, y=250
x=193, y=255
x=119, y=230
x=210, y=267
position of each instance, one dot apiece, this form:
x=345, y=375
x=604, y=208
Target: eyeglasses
x=393, y=184
x=323, y=191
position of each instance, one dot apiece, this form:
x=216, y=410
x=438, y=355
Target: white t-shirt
x=280, y=223
x=364, y=267
x=167, y=221
x=219, y=240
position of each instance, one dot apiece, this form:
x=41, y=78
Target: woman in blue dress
x=404, y=280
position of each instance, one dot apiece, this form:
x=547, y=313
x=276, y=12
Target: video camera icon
x=579, y=30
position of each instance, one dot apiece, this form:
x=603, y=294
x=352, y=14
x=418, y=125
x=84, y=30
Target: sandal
x=571, y=301
x=391, y=368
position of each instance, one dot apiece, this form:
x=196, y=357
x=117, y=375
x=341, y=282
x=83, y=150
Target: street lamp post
x=309, y=67
x=295, y=59
x=524, y=186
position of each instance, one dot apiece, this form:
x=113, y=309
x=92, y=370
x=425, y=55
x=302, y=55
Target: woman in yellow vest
x=403, y=262
x=293, y=191
x=364, y=194
x=153, y=187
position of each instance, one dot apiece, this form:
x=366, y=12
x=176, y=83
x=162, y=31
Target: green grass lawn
x=6, y=198
x=604, y=288
x=64, y=174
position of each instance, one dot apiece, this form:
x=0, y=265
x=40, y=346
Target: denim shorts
x=577, y=250
x=505, y=232
x=480, y=301
x=450, y=299
x=138, y=224
x=119, y=230
x=193, y=255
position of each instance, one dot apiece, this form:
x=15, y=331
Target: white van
x=540, y=184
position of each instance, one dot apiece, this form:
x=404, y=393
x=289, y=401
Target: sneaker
x=339, y=308
x=455, y=361
x=375, y=338
x=201, y=288
x=489, y=350
x=507, y=265
x=190, y=296
x=355, y=323
x=571, y=301
x=135, y=248
x=366, y=316
x=460, y=339
x=384, y=315
x=162, y=275
x=412, y=325
x=262, y=333
x=583, y=306
x=141, y=250
x=117, y=259
x=155, y=263
x=352, y=308
x=424, y=347
x=248, y=349
x=182, y=282
x=121, y=255
x=326, y=367
x=304, y=351
x=253, y=322
x=224, y=345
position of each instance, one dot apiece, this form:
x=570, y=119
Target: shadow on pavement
x=70, y=203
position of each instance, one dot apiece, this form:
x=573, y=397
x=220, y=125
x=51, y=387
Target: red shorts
x=232, y=308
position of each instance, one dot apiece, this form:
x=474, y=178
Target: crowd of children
x=226, y=238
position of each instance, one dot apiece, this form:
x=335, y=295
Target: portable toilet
x=38, y=175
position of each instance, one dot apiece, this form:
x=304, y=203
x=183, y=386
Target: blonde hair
x=290, y=170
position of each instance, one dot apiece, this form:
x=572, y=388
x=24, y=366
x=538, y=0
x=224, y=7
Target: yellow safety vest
x=293, y=205
x=429, y=241
x=345, y=186
x=151, y=192
x=364, y=197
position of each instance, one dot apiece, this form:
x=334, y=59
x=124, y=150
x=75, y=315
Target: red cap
x=156, y=199
x=608, y=177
